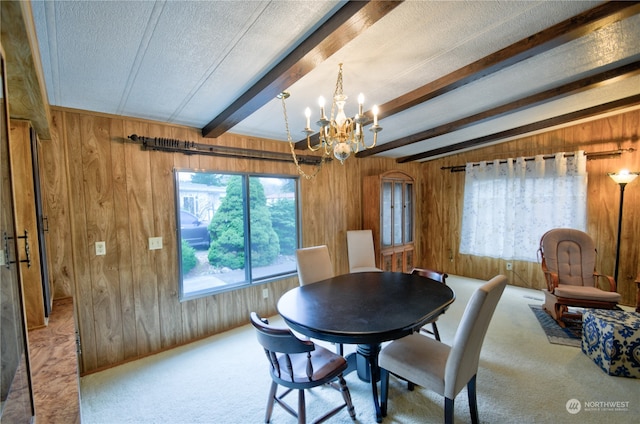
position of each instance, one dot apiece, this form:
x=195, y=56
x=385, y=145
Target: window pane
x=203, y=197
x=408, y=218
x=226, y=256
x=273, y=226
x=386, y=214
x=397, y=213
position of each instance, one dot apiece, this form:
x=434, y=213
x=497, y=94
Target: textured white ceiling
x=185, y=62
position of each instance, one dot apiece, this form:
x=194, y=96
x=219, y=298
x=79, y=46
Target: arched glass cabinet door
x=388, y=210
x=16, y=394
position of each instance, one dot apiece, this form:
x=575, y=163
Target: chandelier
x=338, y=134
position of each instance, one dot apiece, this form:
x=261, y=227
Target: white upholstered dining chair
x=314, y=264
x=362, y=257
x=442, y=368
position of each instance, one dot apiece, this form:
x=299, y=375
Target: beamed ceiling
x=447, y=75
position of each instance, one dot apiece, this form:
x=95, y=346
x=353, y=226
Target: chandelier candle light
x=338, y=134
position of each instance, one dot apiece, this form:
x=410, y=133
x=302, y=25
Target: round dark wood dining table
x=365, y=309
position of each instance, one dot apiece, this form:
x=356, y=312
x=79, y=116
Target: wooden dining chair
x=440, y=277
x=299, y=365
x=442, y=368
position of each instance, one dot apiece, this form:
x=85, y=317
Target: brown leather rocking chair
x=568, y=259
x=299, y=365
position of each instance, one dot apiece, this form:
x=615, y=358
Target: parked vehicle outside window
x=194, y=231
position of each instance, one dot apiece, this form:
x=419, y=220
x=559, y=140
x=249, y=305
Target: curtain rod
x=193, y=148
x=590, y=156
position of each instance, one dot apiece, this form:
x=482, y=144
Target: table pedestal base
x=365, y=362
x=363, y=365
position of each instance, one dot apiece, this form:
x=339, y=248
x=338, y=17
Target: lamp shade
x=623, y=177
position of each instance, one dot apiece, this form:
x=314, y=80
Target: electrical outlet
x=265, y=293
x=155, y=243
x=509, y=266
x=101, y=248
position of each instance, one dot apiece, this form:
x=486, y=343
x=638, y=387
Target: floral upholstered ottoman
x=612, y=339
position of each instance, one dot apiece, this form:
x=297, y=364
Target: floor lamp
x=623, y=178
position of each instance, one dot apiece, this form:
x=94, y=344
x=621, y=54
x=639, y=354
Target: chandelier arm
x=310, y=147
x=375, y=140
x=292, y=148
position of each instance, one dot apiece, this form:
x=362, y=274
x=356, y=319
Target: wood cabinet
x=388, y=210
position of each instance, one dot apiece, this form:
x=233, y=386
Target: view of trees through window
x=235, y=229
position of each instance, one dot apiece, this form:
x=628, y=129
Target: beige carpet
x=224, y=379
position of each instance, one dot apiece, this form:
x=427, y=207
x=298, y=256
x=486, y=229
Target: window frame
x=249, y=279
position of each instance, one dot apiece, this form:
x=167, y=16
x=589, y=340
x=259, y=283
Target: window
x=509, y=205
x=234, y=230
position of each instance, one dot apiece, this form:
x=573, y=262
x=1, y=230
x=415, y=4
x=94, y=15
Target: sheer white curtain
x=509, y=206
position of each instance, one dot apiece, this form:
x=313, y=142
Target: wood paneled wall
x=99, y=186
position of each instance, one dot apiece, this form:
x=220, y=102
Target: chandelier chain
x=291, y=146
x=339, y=89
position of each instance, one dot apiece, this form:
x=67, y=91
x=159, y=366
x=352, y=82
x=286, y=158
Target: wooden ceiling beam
x=613, y=106
x=537, y=99
x=563, y=32
x=347, y=23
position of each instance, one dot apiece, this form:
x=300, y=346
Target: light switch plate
x=101, y=248
x=155, y=243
